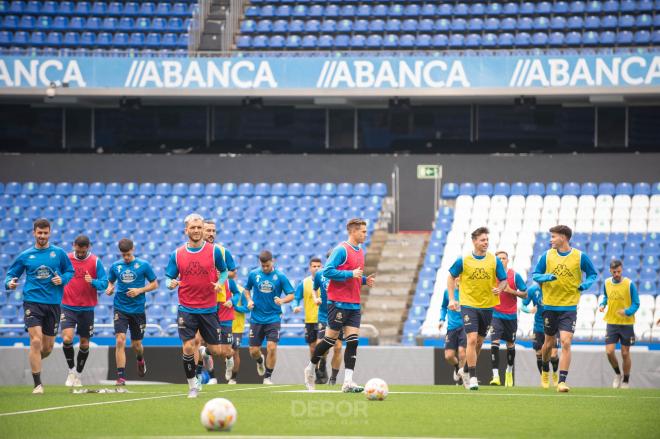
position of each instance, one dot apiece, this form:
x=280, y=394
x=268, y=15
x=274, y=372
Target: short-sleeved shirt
x=265, y=287
x=135, y=274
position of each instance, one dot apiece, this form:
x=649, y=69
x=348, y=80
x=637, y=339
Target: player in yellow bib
x=559, y=271
x=622, y=302
x=306, y=299
x=238, y=326
x=483, y=278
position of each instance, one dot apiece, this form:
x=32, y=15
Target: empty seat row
x=111, y=24
x=453, y=190
x=97, y=8
x=88, y=39
x=82, y=51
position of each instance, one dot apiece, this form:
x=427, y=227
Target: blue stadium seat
x=65, y=8
x=642, y=189
x=606, y=188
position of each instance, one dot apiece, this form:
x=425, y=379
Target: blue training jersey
x=40, y=266
x=321, y=284
x=265, y=287
x=135, y=274
x=535, y=296
x=455, y=319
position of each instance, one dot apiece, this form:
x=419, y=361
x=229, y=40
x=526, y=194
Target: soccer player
x=483, y=279
x=505, y=322
x=263, y=290
x=559, y=271
x=455, y=340
x=321, y=284
x=47, y=271
x=200, y=269
x=622, y=302
x=80, y=298
x=535, y=296
x=344, y=268
x=134, y=277
x=305, y=294
x=238, y=326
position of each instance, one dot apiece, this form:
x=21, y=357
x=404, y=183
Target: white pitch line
x=48, y=409
x=474, y=394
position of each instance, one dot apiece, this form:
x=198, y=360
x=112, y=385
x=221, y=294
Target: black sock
x=350, y=354
x=617, y=370
x=259, y=360
x=68, y=354
x=495, y=355
x=539, y=364
x=234, y=375
x=139, y=356
x=82, y=358
x=189, y=365
x=545, y=366
x=555, y=363
x=37, y=379
x=269, y=373
x=626, y=378
x=456, y=367
x=322, y=364
x=472, y=371
x=121, y=372
x=335, y=372
x=465, y=368
x=562, y=376
x=199, y=368
x=321, y=348
x=211, y=374
x=510, y=355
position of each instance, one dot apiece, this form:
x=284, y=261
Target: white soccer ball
x=219, y=414
x=376, y=389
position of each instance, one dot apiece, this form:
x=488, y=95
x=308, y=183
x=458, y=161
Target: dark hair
x=480, y=231
x=82, y=241
x=125, y=245
x=41, y=223
x=314, y=259
x=265, y=256
x=354, y=223
x=500, y=252
x=562, y=230
x=616, y=263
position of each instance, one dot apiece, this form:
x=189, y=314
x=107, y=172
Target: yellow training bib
x=564, y=290
x=618, y=297
x=311, y=308
x=478, y=280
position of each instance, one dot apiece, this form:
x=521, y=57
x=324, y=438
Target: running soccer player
x=559, y=271
x=505, y=322
x=200, y=269
x=622, y=302
x=47, y=271
x=130, y=274
x=263, y=290
x=455, y=340
x=80, y=298
x=321, y=284
x=535, y=296
x=305, y=294
x=483, y=279
x=344, y=268
x=238, y=326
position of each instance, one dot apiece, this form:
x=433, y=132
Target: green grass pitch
x=427, y=411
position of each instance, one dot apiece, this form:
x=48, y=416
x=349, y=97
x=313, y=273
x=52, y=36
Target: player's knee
x=255, y=351
x=136, y=345
x=36, y=342
x=449, y=354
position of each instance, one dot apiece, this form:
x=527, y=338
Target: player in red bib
x=344, y=268
x=505, y=322
x=78, y=302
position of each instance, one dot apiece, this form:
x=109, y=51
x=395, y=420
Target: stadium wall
x=416, y=196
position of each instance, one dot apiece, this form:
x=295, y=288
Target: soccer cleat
x=351, y=387
x=508, y=379
x=456, y=377
x=332, y=381
x=231, y=381
x=563, y=388
x=261, y=367
x=70, y=378
x=310, y=376
x=142, y=368
x=545, y=380
x=76, y=380
x=212, y=381
x=193, y=392
x=120, y=382
x=474, y=383
x=466, y=379
x=495, y=381
x=555, y=379
x=38, y=390
x=198, y=384
x=268, y=381
x=625, y=385
x=617, y=382
x=229, y=365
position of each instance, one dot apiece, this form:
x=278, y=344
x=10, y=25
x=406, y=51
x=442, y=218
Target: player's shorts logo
x=91, y=330
x=562, y=270
x=28, y=312
x=128, y=276
x=466, y=318
x=632, y=340
x=182, y=322
x=479, y=273
x=339, y=317
x=116, y=316
x=43, y=272
x=142, y=328
x=62, y=317
x=546, y=321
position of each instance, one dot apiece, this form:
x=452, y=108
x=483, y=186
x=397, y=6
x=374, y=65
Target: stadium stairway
x=388, y=302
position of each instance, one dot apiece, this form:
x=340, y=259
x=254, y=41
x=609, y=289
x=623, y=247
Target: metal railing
x=200, y=14
x=232, y=23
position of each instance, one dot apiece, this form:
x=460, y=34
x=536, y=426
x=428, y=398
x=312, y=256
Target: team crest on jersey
x=43, y=272
x=119, y=268
x=128, y=276
x=479, y=273
x=274, y=277
x=32, y=257
x=258, y=278
x=266, y=287
x=562, y=271
x=136, y=265
x=52, y=254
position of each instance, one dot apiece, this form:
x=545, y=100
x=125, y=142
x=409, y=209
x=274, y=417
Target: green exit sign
x=433, y=172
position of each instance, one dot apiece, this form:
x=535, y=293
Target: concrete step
x=391, y=305
x=398, y=266
x=385, y=292
x=396, y=283
x=375, y=317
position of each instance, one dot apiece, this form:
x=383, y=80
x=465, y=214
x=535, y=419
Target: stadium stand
x=295, y=221
x=609, y=221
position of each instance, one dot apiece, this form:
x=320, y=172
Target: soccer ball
x=376, y=389
x=218, y=414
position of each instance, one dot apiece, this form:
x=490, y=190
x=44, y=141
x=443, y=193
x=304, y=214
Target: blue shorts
x=226, y=336
x=554, y=321
x=620, y=333
x=236, y=339
x=340, y=317
x=207, y=324
x=259, y=331
x=42, y=314
x=456, y=338
x=136, y=323
x=83, y=321
x=320, y=331
x=504, y=329
x=539, y=339
x=476, y=320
